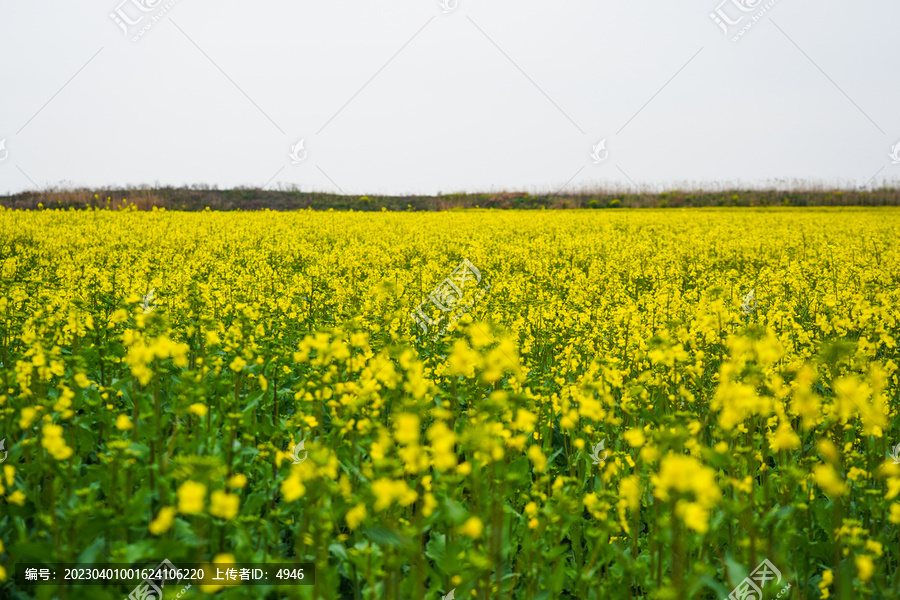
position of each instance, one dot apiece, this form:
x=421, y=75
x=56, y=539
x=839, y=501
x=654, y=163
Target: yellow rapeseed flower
x=355, y=516
x=537, y=457
x=828, y=479
x=28, y=416
x=224, y=505
x=52, y=440
x=163, y=520
x=406, y=428
x=635, y=437
x=472, y=528
x=237, y=481
x=191, y=497
x=865, y=567
x=292, y=488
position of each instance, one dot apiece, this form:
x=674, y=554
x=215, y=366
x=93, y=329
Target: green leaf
x=140, y=551
x=455, y=511
x=339, y=551
x=436, y=548
x=518, y=470
x=255, y=397
x=385, y=537
x=89, y=555
x=736, y=571
x=720, y=590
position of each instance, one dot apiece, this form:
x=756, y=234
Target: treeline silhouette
x=200, y=198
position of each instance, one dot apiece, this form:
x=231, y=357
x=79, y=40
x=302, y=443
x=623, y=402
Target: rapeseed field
x=615, y=404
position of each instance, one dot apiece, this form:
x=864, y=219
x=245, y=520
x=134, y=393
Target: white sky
x=398, y=97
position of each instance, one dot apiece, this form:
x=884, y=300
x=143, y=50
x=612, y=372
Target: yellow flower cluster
x=615, y=398
x=693, y=483
x=52, y=440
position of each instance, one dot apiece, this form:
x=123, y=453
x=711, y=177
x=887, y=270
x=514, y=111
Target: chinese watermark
x=752, y=586
x=146, y=307
x=4, y=153
x=134, y=17
x=894, y=455
x=748, y=302
x=295, y=453
x=895, y=153
x=448, y=6
x=448, y=298
x=599, y=152
x=595, y=453
x=151, y=588
x=3, y=448
x=298, y=154
x=734, y=17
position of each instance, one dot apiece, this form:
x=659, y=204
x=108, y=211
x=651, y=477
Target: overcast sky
x=411, y=96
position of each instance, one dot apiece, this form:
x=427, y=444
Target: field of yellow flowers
x=559, y=405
